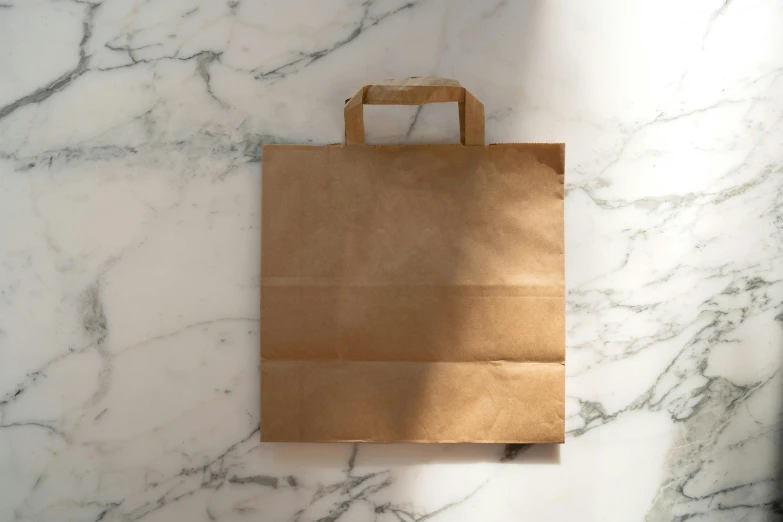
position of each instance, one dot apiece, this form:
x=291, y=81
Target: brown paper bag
x=413, y=293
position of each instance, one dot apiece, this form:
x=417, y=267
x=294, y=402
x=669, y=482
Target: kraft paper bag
x=413, y=293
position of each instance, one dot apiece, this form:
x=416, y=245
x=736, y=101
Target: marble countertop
x=129, y=245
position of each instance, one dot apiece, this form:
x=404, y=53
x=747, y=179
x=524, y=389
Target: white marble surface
x=130, y=135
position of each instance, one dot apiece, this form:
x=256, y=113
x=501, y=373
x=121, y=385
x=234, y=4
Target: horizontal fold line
x=349, y=361
x=335, y=281
x=520, y=144
x=313, y=284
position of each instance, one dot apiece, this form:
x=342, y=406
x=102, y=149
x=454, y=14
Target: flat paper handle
x=416, y=91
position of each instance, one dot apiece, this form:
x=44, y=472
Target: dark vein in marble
x=305, y=59
x=69, y=155
x=185, y=328
x=32, y=377
x=247, y=149
x=260, y=480
x=713, y=17
x=405, y=514
x=690, y=361
x=96, y=329
x=355, y=488
x=106, y=510
x=66, y=79
x=210, y=479
x=33, y=424
x=451, y=504
x=724, y=490
x=696, y=446
x=580, y=301
x=203, y=62
x=678, y=201
x=130, y=51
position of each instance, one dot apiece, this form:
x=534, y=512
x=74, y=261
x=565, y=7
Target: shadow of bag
x=413, y=293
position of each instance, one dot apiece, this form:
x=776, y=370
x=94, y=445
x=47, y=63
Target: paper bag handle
x=416, y=91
